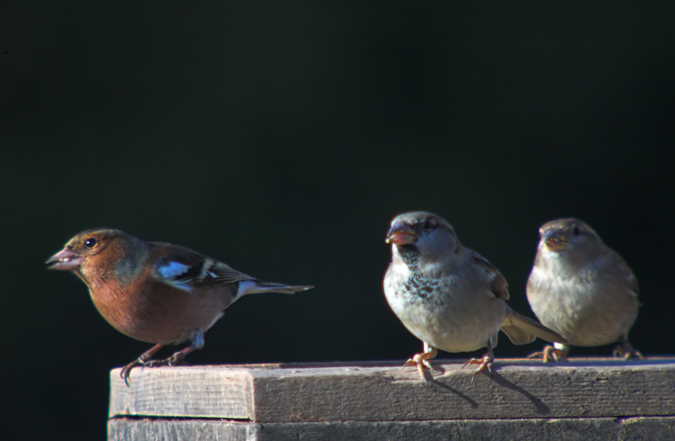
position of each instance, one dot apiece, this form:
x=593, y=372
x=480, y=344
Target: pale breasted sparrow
x=449, y=296
x=582, y=289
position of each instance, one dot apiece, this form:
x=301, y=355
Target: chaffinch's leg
x=145, y=360
x=177, y=358
x=140, y=361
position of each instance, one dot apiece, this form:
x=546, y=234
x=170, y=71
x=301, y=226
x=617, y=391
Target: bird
x=582, y=289
x=449, y=296
x=156, y=292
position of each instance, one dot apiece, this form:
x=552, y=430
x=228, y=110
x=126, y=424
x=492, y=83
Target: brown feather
x=522, y=330
x=499, y=286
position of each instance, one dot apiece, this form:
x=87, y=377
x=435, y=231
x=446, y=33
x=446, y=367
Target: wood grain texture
x=204, y=391
x=575, y=429
x=381, y=391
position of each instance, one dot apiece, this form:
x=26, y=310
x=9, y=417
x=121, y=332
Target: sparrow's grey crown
x=420, y=219
x=570, y=227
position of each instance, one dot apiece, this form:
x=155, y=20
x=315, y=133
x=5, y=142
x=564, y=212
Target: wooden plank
x=200, y=391
x=571, y=429
x=380, y=391
x=122, y=429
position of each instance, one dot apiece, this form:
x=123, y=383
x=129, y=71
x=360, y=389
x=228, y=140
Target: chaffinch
x=156, y=292
x=583, y=289
x=449, y=296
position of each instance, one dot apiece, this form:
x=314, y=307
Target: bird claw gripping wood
x=485, y=364
x=549, y=354
x=171, y=361
x=126, y=370
x=176, y=359
x=420, y=362
x=140, y=361
x=626, y=351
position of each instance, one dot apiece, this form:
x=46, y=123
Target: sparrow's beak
x=555, y=240
x=400, y=234
x=66, y=259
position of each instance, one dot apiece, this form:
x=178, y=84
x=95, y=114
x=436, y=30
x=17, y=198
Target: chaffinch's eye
x=90, y=243
x=576, y=230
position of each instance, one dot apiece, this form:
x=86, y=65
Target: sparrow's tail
x=258, y=287
x=522, y=330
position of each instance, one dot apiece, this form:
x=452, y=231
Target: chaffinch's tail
x=258, y=287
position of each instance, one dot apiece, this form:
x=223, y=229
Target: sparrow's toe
x=626, y=350
x=421, y=360
x=484, y=364
x=549, y=354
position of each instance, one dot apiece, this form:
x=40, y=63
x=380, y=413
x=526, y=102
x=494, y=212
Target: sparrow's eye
x=428, y=225
x=90, y=243
x=576, y=231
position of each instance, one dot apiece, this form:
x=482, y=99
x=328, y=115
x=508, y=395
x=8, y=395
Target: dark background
x=282, y=137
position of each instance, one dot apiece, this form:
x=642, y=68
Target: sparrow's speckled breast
x=443, y=312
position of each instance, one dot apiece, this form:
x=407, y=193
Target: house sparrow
x=156, y=292
x=582, y=289
x=449, y=296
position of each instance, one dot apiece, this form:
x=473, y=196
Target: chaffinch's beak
x=555, y=240
x=66, y=259
x=400, y=234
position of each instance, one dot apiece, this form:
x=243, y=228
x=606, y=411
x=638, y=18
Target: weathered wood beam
x=381, y=391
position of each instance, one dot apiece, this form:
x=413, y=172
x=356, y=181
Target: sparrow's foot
x=421, y=360
x=626, y=350
x=484, y=364
x=549, y=354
